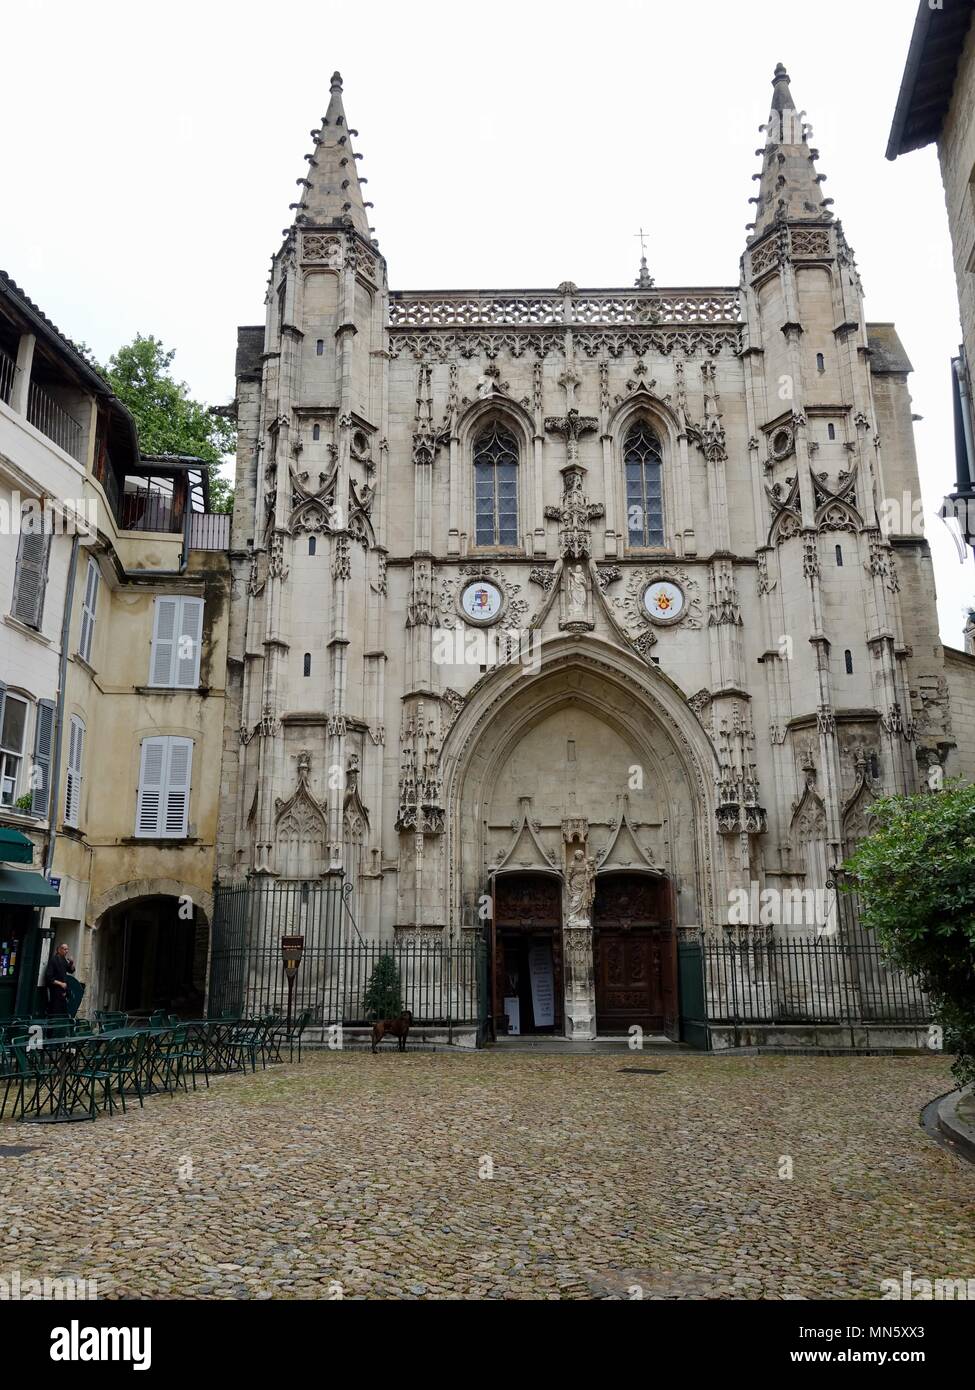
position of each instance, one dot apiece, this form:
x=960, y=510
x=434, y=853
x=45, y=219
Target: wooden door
x=634, y=956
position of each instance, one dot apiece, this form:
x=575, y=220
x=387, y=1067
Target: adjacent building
x=936, y=105
x=114, y=594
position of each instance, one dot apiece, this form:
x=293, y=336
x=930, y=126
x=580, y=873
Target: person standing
x=59, y=967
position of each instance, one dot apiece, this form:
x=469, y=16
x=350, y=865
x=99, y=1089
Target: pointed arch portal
x=594, y=753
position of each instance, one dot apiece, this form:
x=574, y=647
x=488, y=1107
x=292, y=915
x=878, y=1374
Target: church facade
x=579, y=620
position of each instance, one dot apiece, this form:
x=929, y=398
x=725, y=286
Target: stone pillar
x=20, y=391
x=578, y=975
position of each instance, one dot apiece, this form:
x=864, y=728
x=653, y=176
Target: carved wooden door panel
x=634, y=957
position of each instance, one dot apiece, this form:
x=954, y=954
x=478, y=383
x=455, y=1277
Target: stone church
x=575, y=618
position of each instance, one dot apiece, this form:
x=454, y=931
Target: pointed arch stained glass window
x=644, y=501
x=496, y=487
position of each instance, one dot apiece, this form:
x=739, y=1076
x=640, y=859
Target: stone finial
x=781, y=95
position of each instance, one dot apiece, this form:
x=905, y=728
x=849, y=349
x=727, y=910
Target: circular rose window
x=482, y=602
x=782, y=443
x=664, y=601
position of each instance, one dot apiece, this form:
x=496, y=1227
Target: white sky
x=151, y=152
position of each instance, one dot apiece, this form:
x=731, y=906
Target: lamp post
x=291, y=952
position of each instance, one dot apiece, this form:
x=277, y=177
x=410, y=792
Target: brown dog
x=395, y=1027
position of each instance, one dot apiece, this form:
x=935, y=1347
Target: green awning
x=15, y=848
x=26, y=890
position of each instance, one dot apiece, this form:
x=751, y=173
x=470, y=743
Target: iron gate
x=443, y=983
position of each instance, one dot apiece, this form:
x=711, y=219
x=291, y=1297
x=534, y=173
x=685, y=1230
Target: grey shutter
x=176, y=806
x=152, y=776
x=43, y=745
x=72, y=797
x=88, y=607
x=30, y=579
x=188, y=645
x=164, y=635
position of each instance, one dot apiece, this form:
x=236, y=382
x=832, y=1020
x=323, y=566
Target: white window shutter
x=88, y=607
x=30, y=578
x=43, y=746
x=188, y=648
x=152, y=775
x=165, y=628
x=177, y=804
x=76, y=753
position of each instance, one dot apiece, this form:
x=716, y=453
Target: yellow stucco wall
x=102, y=864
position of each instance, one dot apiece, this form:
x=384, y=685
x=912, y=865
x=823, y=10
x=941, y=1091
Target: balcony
x=44, y=413
x=8, y=375
x=209, y=531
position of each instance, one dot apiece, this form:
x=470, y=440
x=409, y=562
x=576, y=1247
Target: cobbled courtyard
x=365, y=1176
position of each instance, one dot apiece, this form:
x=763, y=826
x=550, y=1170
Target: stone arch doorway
x=526, y=953
x=152, y=953
x=593, y=761
x=634, y=954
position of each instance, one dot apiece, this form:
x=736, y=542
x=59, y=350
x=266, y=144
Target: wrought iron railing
x=442, y=983
x=750, y=981
x=534, y=308
x=44, y=413
x=143, y=509
x=8, y=375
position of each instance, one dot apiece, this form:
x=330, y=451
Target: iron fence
x=442, y=983
x=803, y=981
x=8, y=374
x=51, y=419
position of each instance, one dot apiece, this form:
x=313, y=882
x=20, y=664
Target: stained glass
x=644, y=494
x=496, y=487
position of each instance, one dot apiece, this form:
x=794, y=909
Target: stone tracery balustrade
x=420, y=309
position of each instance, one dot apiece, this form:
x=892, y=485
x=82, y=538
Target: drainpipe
x=52, y=809
x=965, y=447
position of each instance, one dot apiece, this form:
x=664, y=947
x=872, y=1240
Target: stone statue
x=580, y=888
x=578, y=591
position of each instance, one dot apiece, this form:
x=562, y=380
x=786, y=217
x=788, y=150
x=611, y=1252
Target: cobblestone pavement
x=365, y=1172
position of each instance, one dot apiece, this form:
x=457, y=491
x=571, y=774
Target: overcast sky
x=151, y=152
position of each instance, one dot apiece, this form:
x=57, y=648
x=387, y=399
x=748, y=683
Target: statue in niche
x=578, y=592
x=580, y=889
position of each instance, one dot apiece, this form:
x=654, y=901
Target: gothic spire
x=789, y=187
x=331, y=191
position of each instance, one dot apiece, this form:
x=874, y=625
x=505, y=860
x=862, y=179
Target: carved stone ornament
x=676, y=584
x=458, y=583
x=575, y=515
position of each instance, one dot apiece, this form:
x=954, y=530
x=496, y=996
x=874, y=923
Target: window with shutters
x=30, y=576
x=73, y=775
x=496, y=486
x=177, y=632
x=163, y=805
x=88, y=606
x=13, y=728
x=43, y=752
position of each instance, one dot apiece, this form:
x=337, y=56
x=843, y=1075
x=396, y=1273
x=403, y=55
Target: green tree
x=915, y=876
x=169, y=420
x=383, y=997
